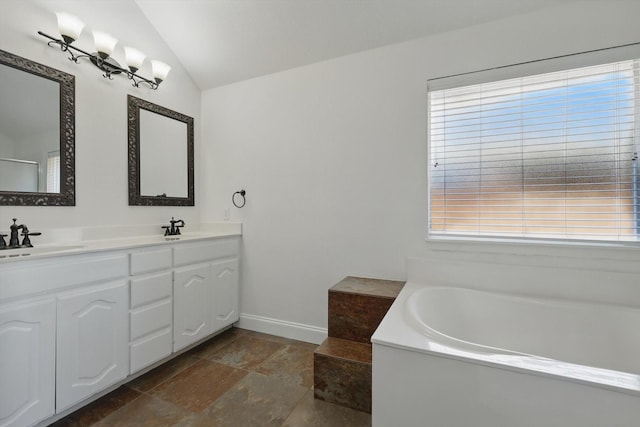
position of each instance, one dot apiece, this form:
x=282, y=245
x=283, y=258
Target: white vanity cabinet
x=63, y=329
x=73, y=326
x=205, y=289
x=201, y=299
x=27, y=368
x=92, y=341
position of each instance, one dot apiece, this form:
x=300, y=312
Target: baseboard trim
x=282, y=328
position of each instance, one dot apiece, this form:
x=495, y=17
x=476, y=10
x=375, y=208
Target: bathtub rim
x=470, y=345
x=396, y=330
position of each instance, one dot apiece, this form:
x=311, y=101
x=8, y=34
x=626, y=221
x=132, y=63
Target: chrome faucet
x=14, y=240
x=173, y=229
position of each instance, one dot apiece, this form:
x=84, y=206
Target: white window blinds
x=53, y=172
x=547, y=156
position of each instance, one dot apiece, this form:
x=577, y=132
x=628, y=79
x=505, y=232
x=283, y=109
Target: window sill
x=533, y=241
x=613, y=256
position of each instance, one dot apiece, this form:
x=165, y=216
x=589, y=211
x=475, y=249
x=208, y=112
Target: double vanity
x=77, y=320
x=81, y=317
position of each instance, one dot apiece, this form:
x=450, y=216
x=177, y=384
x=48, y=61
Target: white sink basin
x=11, y=253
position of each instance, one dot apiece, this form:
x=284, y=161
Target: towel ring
x=244, y=200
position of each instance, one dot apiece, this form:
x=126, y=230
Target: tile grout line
x=296, y=405
x=185, y=354
x=286, y=346
x=239, y=335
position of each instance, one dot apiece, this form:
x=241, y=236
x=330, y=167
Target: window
x=53, y=172
x=544, y=156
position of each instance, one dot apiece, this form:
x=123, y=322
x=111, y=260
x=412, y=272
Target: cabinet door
x=27, y=368
x=92, y=341
x=191, y=305
x=225, y=293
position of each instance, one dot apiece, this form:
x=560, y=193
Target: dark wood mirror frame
x=67, y=194
x=135, y=197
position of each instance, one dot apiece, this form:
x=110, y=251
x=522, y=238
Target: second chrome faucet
x=173, y=229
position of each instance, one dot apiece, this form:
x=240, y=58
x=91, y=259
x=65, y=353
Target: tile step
x=357, y=305
x=345, y=349
x=342, y=373
x=369, y=287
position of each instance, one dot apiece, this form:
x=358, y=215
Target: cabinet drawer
x=38, y=276
x=150, y=260
x=192, y=253
x=150, y=288
x=150, y=318
x=150, y=350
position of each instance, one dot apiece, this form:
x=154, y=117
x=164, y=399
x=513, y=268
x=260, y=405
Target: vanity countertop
x=78, y=246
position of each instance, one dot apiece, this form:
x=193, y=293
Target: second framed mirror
x=161, y=147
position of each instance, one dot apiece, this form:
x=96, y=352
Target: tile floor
x=238, y=378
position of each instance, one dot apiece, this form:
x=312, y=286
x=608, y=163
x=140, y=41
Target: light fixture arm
x=107, y=65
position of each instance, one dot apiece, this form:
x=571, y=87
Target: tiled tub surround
x=342, y=364
x=489, y=344
x=77, y=323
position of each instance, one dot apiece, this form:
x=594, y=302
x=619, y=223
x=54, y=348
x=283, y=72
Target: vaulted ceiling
x=224, y=41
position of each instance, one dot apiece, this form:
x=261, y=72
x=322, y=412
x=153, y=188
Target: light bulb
x=69, y=26
x=134, y=58
x=105, y=44
x=160, y=70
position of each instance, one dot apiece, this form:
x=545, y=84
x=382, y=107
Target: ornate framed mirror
x=37, y=134
x=161, y=165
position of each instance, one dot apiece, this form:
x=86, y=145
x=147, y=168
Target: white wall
x=7, y=147
x=333, y=155
x=101, y=110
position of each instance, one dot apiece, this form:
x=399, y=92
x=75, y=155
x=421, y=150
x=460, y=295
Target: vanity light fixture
x=70, y=28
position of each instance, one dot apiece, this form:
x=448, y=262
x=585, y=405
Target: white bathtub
x=448, y=356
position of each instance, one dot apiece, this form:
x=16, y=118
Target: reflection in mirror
x=37, y=142
x=19, y=175
x=160, y=155
x=29, y=130
x=163, y=157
